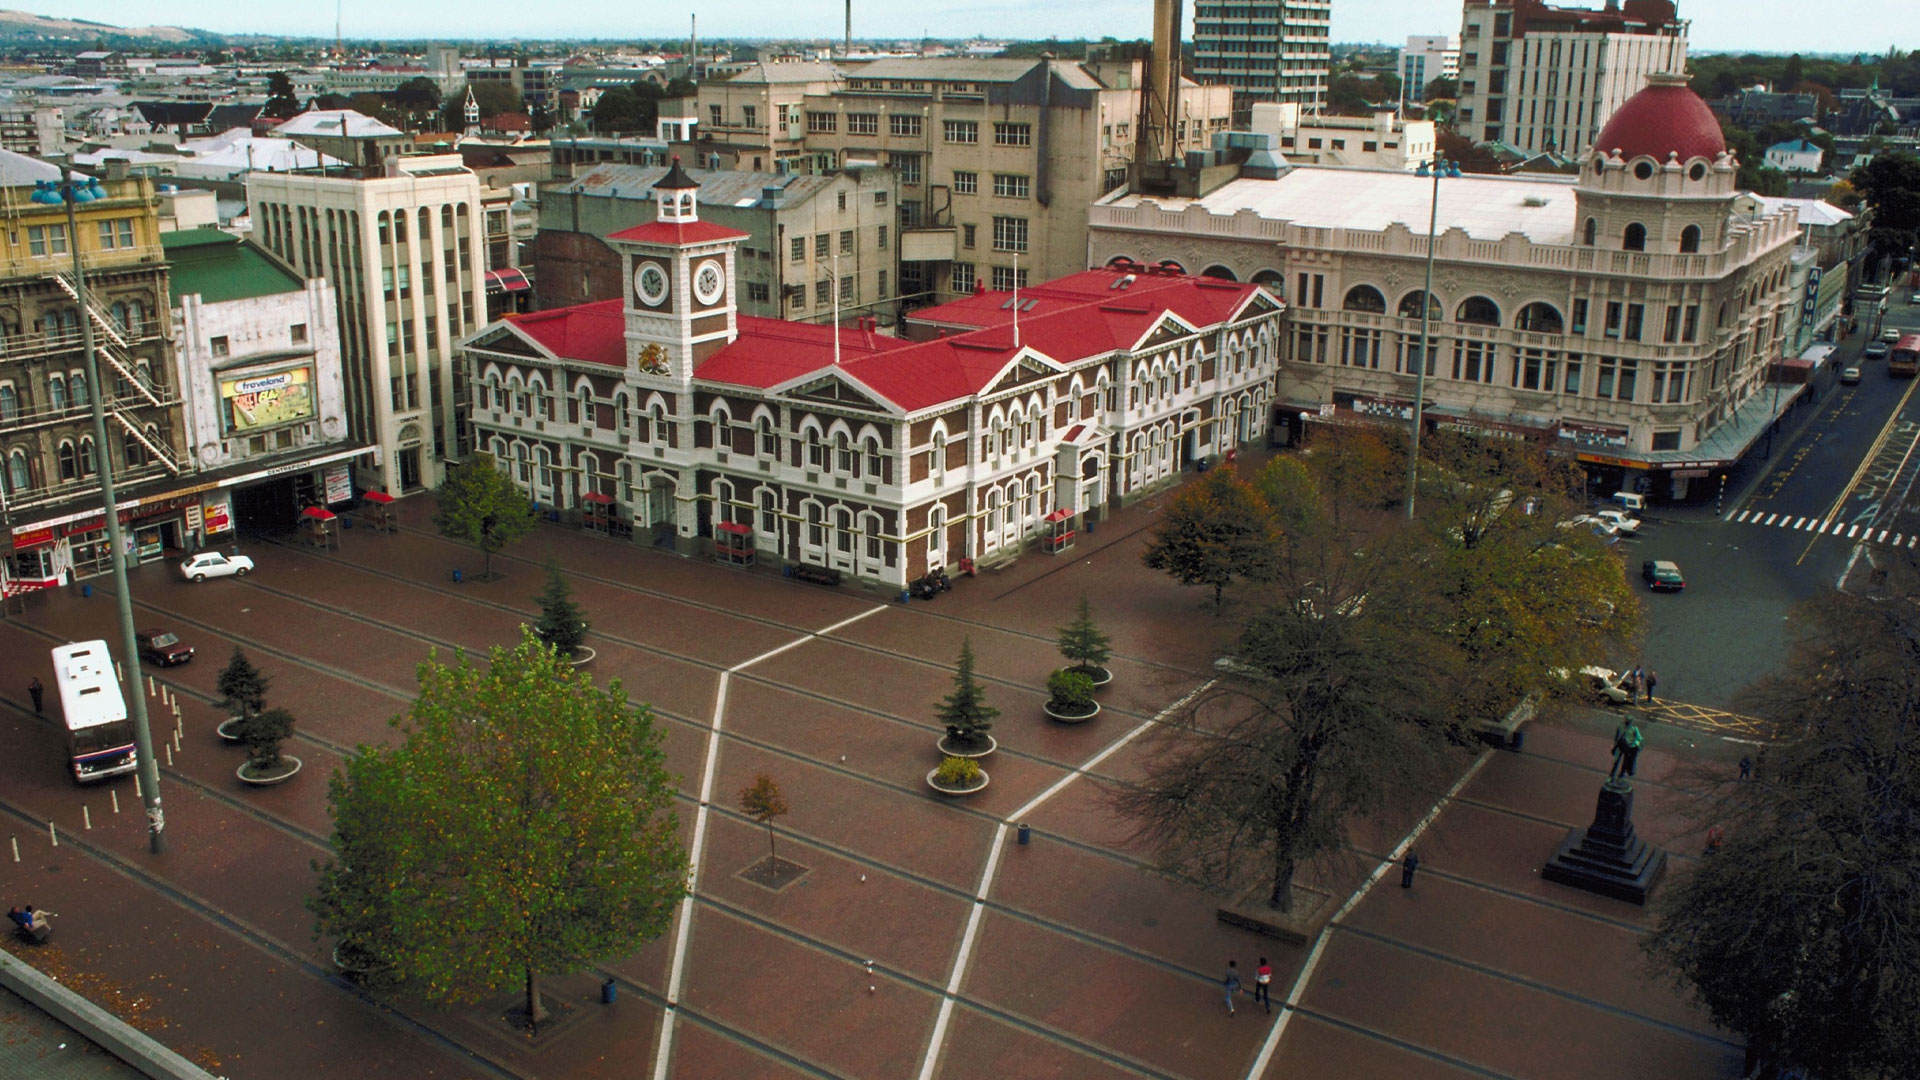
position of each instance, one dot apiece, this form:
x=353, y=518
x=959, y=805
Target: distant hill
x=24, y=26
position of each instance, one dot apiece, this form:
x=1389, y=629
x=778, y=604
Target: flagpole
x=833, y=272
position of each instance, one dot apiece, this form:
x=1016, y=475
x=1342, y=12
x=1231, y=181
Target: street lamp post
x=1441, y=167
x=70, y=190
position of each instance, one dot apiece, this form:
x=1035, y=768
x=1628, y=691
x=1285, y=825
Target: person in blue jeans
x=1232, y=983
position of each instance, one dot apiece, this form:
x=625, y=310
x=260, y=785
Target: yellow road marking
x=1886, y=431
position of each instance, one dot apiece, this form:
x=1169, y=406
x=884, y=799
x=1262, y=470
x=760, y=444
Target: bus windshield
x=92, y=740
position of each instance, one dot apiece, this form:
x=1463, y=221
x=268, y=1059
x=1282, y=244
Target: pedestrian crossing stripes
x=1828, y=527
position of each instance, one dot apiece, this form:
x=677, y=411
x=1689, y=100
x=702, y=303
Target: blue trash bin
x=456, y=576
x=609, y=992
x=86, y=592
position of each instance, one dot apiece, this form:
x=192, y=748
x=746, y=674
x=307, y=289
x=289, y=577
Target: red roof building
x=882, y=455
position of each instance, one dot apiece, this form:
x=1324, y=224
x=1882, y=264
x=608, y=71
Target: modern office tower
x=1266, y=50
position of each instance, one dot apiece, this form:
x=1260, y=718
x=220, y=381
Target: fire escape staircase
x=110, y=345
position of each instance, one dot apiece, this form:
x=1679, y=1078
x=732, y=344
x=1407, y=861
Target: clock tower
x=679, y=274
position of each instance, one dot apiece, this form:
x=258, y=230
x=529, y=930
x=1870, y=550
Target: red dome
x=1665, y=117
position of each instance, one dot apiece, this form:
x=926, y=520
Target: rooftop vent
x=1535, y=200
x=1122, y=282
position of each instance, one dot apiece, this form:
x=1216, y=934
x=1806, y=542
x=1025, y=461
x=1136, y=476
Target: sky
x=1842, y=26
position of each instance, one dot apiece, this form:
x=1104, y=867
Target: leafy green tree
x=1082, y=643
x=243, y=687
x=562, y=625
x=523, y=827
x=282, y=104
x=1444, y=88
x=617, y=110
x=1890, y=185
x=1215, y=528
x=263, y=732
x=416, y=98
x=477, y=504
x=965, y=712
x=763, y=801
x=1799, y=933
x=541, y=119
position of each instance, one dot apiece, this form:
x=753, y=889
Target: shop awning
x=508, y=280
x=378, y=498
x=317, y=513
x=596, y=497
x=733, y=527
x=1061, y=514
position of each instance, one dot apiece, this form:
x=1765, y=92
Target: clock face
x=709, y=281
x=650, y=283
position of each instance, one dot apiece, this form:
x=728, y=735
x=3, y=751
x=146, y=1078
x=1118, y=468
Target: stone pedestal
x=1606, y=857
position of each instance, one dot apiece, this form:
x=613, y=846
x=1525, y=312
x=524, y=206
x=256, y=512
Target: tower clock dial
x=650, y=283
x=709, y=281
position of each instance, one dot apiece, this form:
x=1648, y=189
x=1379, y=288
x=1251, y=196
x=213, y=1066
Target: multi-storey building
x=878, y=456
x=814, y=243
x=34, y=130
x=1629, y=315
x=345, y=135
x=754, y=118
x=257, y=351
x=404, y=251
x=997, y=159
x=1427, y=57
x=1544, y=78
x=1381, y=141
x=53, y=525
x=1266, y=50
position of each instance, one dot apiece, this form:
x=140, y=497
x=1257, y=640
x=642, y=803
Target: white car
x=213, y=564
x=1604, y=684
x=1599, y=525
x=1623, y=523
x=1891, y=335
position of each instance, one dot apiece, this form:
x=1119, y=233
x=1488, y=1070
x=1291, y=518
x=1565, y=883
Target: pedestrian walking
x=1626, y=748
x=1231, y=983
x=1746, y=768
x=38, y=694
x=1407, y=866
x=1653, y=679
x=1262, y=979
x=1715, y=837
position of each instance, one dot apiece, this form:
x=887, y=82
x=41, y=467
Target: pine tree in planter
x=1085, y=647
x=562, y=625
x=965, y=712
x=263, y=732
x=243, y=692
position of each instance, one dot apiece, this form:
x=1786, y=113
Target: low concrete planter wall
x=108, y=1031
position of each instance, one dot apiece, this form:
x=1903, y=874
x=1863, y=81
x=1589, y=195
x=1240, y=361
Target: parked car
x=1875, y=350
x=1914, y=299
x=1890, y=335
x=213, y=564
x=1850, y=374
x=1600, y=526
x=1623, y=523
x=1659, y=574
x=162, y=647
x=1604, y=684
x=1632, y=502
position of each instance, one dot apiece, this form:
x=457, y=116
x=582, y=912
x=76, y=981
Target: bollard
x=149, y=686
x=456, y=575
x=53, y=834
x=1026, y=833
x=86, y=817
x=115, y=796
x=136, y=786
x=609, y=992
x=169, y=747
x=15, y=841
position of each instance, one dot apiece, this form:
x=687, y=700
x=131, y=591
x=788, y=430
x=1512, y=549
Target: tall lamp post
x=1441, y=167
x=70, y=190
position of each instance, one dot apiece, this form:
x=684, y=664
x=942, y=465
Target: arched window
x=56, y=392
x=937, y=455
x=1540, y=318
x=1635, y=238
x=1365, y=298
x=722, y=501
x=1478, y=310
x=544, y=462
x=87, y=463
x=870, y=548
x=842, y=530
x=69, y=461
x=9, y=402
x=1218, y=271
x=844, y=460
x=874, y=462
x=132, y=450
x=1410, y=306
x=769, y=439
x=1690, y=240
x=816, y=450
x=815, y=532
x=19, y=474
x=77, y=382
x=769, y=512
x=385, y=227
x=1273, y=281
x=119, y=310
x=1591, y=233
x=936, y=535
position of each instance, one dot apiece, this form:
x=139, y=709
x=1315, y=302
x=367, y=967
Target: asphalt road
x=1841, y=484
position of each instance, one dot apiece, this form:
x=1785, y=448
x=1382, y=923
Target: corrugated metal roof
x=718, y=187
x=799, y=71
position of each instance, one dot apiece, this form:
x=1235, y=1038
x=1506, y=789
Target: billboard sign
x=253, y=402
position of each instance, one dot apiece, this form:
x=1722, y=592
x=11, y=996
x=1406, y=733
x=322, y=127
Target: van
x=1629, y=501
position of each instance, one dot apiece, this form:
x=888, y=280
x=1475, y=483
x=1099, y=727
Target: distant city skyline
x=1844, y=26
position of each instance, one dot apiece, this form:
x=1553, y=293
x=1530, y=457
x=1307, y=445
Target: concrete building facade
x=1629, y=316
x=1425, y=58
x=1382, y=141
x=807, y=238
x=1541, y=78
x=1265, y=50
x=404, y=251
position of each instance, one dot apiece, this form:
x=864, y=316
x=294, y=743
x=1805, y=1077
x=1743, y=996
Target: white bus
x=99, y=735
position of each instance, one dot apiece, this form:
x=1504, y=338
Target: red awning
x=379, y=497
x=733, y=527
x=1061, y=514
x=317, y=513
x=596, y=497
x=509, y=279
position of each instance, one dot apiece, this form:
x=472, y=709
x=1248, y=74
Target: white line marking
x=1292, y=1003
x=1915, y=540
x=1770, y=518
x=683, y=932
x=1896, y=539
x=947, y=1000
x=1853, y=532
x=1827, y=526
x=1883, y=536
x=1798, y=524
x=1743, y=515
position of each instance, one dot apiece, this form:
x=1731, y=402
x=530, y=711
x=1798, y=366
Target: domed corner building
x=1631, y=315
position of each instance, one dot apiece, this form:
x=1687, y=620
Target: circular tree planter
x=229, y=730
x=1093, y=710
x=351, y=961
x=967, y=789
x=950, y=748
x=582, y=656
x=1100, y=676
x=289, y=767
